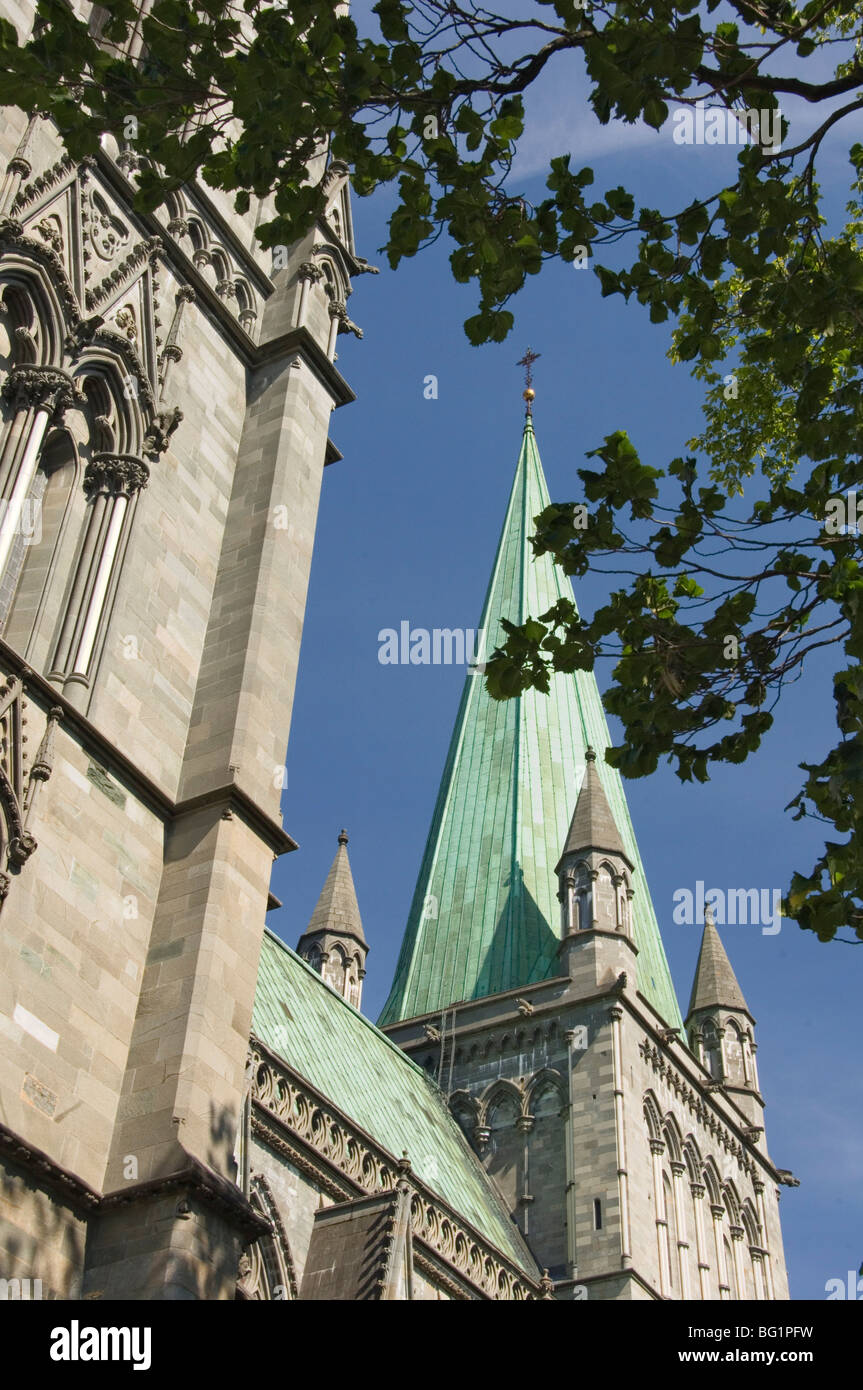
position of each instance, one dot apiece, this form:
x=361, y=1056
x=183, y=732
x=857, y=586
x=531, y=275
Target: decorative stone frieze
x=365, y=1167
x=32, y=192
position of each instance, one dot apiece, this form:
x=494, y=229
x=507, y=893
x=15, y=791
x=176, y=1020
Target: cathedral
x=192, y=1109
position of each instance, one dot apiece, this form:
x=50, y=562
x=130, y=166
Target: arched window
x=505, y=1149
x=330, y=283
x=546, y=1140
x=606, y=899
x=464, y=1110
x=19, y=328
x=266, y=1269
x=712, y=1046
x=735, y=1054
x=754, y=1241
x=670, y=1234
x=583, y=898
x=334, y=971
x=730, y=1268
x=25, y=581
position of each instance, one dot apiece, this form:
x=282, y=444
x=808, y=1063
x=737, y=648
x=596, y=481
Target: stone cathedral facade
x=191, y=1109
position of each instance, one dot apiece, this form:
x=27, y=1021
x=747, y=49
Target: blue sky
x=408, y=526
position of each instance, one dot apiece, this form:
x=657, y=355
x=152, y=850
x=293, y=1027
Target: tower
x=720, y=1026
x=595, y=876
x=532, y=984
x=334, y=943
x=167, y=394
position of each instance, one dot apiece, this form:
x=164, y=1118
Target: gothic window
x=352, y=985
x=200, y=250
x=329, y=282
x=266, y=1270
x=334, y=971
x=19, y=329
x=25, y=580
x=101, y=414
x=623, y=909
x=734, y=1054
x=606, y=913
x=503, y=1114
x=712, y=1047
x=246, y=310
x=465, y=1113
x=754, y=1243
x=113, y=477
x=583, y=904
x=545, y=1131
x=505, y=1148
x=699, y=1279
x=670, y=1231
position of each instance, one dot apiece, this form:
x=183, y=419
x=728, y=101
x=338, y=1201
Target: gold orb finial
x=528, y=395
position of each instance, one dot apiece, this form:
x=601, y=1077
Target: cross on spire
x=527, y=362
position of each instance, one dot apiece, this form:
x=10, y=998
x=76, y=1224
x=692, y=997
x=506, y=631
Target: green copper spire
x=485, y=916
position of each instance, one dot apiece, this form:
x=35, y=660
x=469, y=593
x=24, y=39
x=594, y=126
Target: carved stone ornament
x=50, y=232
x=128, y=161
x=34, y=191
x=124, y=320
x=43, y=388
x=19, y=788
x=146, y=250
x=338, y=310
x=107, y=234
x=118, y=475
x=159, y=432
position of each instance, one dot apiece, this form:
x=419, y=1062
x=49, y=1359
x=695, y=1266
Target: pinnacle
x=337, y=910
x=715, y=983
x=593, y=825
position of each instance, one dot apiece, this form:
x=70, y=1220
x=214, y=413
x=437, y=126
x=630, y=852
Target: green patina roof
x=344, y=1056
x=485, y=916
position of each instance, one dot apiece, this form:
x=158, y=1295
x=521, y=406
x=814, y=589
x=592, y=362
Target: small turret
x=720, y=1026
x=334, y=943
x=595, y=877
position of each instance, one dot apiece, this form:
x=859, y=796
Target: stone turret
x=720, y=1026
x=595, y=877
x=334, y=943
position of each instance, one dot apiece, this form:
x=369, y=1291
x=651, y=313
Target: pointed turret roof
x=592, y=825
x=715, y=983
x=337, y=910
x=485, y=916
